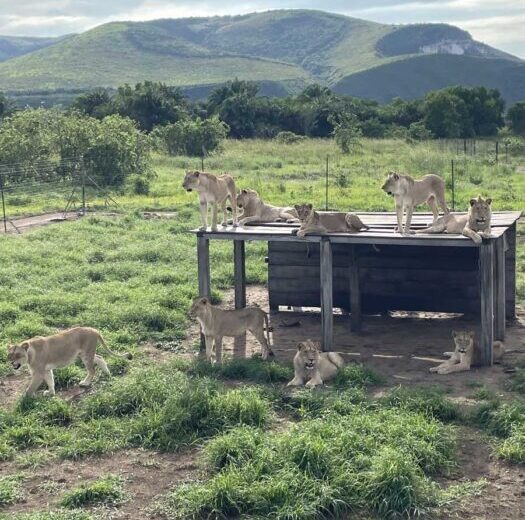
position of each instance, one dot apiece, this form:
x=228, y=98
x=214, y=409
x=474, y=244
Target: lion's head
x=304, y=211
x=191, y=180
x=246, y=197
x=17, y=354
x=463, y=339
x=309, y=353
x=199, y=306
x=480, y=211
x=391, y=185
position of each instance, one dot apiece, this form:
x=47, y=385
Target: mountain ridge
x=292, y=47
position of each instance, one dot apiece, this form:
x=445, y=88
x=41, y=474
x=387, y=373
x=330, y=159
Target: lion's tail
x=267, y=323
x=336, y=359
x=105, y=347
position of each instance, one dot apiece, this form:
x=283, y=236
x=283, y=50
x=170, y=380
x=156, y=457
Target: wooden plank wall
x=510, y=272
x=391, y=277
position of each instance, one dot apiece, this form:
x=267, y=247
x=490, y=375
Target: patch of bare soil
x=148, y=476
x=21, y=225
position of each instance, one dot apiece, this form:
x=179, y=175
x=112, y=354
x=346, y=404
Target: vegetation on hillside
x=289, y=47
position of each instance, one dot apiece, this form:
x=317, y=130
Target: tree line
x=453, y=112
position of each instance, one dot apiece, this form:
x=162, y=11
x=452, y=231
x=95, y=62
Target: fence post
x=83, y=192
x=202, y=163
x=506, y=152
x=3, y=202
x=453, y=187
x=497, y=150
x=326, y=187
x=465, y=146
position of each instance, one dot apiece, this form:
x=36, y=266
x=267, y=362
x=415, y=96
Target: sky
x=499, y=23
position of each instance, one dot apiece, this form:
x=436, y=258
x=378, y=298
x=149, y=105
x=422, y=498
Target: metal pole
x=3, y=203
x=326, y=187
x=497, y=150
x=453, y=187
x=202, y=163
x=83, y=193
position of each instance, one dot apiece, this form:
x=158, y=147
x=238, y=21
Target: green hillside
x=13, y=46
x=413, y=77
x=286, y=47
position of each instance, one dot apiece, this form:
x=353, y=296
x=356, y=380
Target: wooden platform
x=381, y=270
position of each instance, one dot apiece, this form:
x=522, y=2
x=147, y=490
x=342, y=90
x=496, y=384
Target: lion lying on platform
x=475, y=225
x=466, y=353
x=323, y=223
x=43, y=354
x=313, y=367
x=256, y=210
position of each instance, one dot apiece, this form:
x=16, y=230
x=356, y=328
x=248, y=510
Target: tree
x=6, y=107
x=445, y=114
x=516, y=118
x=150, y=104
x=347, y=132
x=195, y=138
x=96, y=103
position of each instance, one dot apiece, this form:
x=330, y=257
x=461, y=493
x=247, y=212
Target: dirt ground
x=400, y=347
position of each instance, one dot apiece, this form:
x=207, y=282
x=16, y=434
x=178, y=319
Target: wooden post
x=355, y=291
x=3, y=203
x=203, y=268
x=326, y=279
x=510, y=272
x=486, y=282
x=239, y=268
x=499, y=289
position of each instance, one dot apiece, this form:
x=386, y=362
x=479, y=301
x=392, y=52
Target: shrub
x=286, y=137
x=105, y=490
x=196, y=138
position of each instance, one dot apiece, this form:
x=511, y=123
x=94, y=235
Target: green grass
x=364, y=460
x=105, y=490
x=49, y=515
x=10, y=489
x=268, y=449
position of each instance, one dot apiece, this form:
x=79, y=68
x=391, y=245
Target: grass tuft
x=105, y=490
x=10, y=489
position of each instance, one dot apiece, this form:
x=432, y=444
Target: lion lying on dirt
x=465, y=354
x=475, y=224
x=217, y=323
x=212, y=190
x=44, y=354
x=409, y=193
x=256, y=210
x=323, y=223
x=312, y=366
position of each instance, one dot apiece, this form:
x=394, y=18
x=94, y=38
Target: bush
x=105, y=490
x=196, y=138
x=288, y=137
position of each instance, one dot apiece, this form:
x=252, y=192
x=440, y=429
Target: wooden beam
x=327, y=318
x=510, y=272
x=486, y=281
x=499, y=289
x=203, y=269
x=355, y=290
x=239, y=268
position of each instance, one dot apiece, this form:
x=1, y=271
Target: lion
x=312, y=366
x=212, y=190
x=409, y=193
x=217, y=323
x=475, y=224
x=256, y=210
x=466, y=353
x=323, y=223
x=44, y=354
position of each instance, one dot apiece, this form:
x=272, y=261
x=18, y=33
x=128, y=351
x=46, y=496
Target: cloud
x=496, y=22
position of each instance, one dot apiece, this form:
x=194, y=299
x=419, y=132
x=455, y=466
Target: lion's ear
x=395, y=176
x=310, y=206
x=488, y=201
x=244, y=191
x=455, y=333
x=471, y=333
x=25, y=345
x=301, y=345
x=472, y=202
x=204, y=301
x=197, y=173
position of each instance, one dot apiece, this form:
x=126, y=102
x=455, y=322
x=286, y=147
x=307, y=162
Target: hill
x=13, y=46
x=285, y=48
